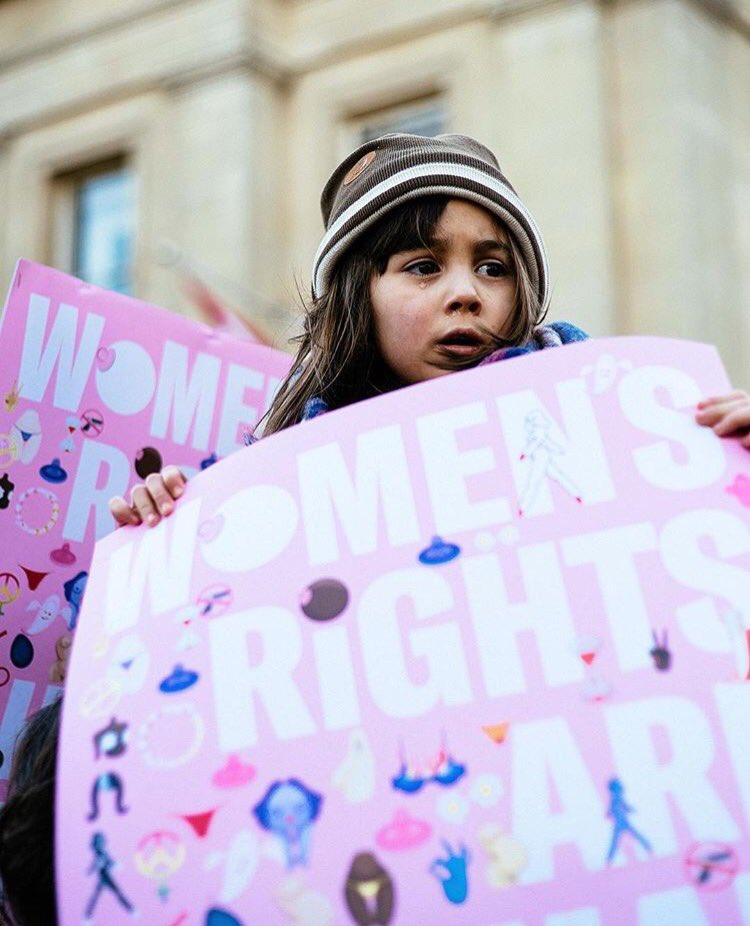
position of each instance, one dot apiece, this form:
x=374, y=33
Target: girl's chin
x=431, y=370
x=456, y=364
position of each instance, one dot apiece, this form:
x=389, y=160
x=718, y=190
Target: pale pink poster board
x=470, y=653
x=95, y=389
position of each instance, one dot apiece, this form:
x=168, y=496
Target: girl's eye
x=422, y=267
x=494, y=268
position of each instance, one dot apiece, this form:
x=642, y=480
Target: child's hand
x=150, y=500
x=59, y=668
x=728, y=415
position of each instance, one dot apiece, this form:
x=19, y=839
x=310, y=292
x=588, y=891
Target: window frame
x=396, y=113
x=64, y=207
x=130, y=128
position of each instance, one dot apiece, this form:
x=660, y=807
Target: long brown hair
x=27, y=825
x=338, y=357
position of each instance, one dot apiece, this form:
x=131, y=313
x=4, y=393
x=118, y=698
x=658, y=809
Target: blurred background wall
x=146, y=136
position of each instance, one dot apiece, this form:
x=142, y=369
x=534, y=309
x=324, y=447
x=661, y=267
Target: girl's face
x=433, y=306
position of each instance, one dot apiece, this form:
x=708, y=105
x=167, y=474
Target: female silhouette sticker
x=102, y=867
x=619, y=810
x=545, y=458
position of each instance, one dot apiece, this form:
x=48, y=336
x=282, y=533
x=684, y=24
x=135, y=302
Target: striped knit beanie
x=387, y=171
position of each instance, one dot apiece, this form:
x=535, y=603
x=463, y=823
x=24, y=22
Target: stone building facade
x=624, y=124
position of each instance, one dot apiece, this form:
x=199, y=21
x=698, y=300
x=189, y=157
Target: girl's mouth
x=462, y=343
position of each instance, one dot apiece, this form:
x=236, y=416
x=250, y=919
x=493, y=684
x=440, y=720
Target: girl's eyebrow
x=439, y=245
x=492, y=244
x=482, y=247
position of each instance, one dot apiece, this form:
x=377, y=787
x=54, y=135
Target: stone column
x=226, y=186
x=681, y=108
x=548, y=125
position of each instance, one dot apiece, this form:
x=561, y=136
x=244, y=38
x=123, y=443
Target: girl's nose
x=462, y=294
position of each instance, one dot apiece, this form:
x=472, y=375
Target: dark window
x=426, y=118
x=97, y=210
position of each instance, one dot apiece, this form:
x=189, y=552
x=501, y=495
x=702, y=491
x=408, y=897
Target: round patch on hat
x=360, y=167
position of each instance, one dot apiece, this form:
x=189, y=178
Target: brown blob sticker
x=360, y=167
x=369, y=891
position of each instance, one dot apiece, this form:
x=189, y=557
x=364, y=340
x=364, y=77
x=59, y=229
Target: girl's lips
x=456, y=349
x=462, y=342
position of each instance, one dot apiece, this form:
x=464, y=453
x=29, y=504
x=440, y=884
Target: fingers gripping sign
x=150, y=500
x=728, y=415
x=59, y=668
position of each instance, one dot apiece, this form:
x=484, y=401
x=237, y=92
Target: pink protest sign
x=96, y=390
x=474, y=652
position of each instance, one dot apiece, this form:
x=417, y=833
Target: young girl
x=430, y=263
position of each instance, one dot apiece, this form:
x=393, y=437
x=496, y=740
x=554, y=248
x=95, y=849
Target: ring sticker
x=37, y=511
x=171, y=736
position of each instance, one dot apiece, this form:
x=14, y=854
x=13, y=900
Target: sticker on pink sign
x=96, y=388
x=471, y=653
